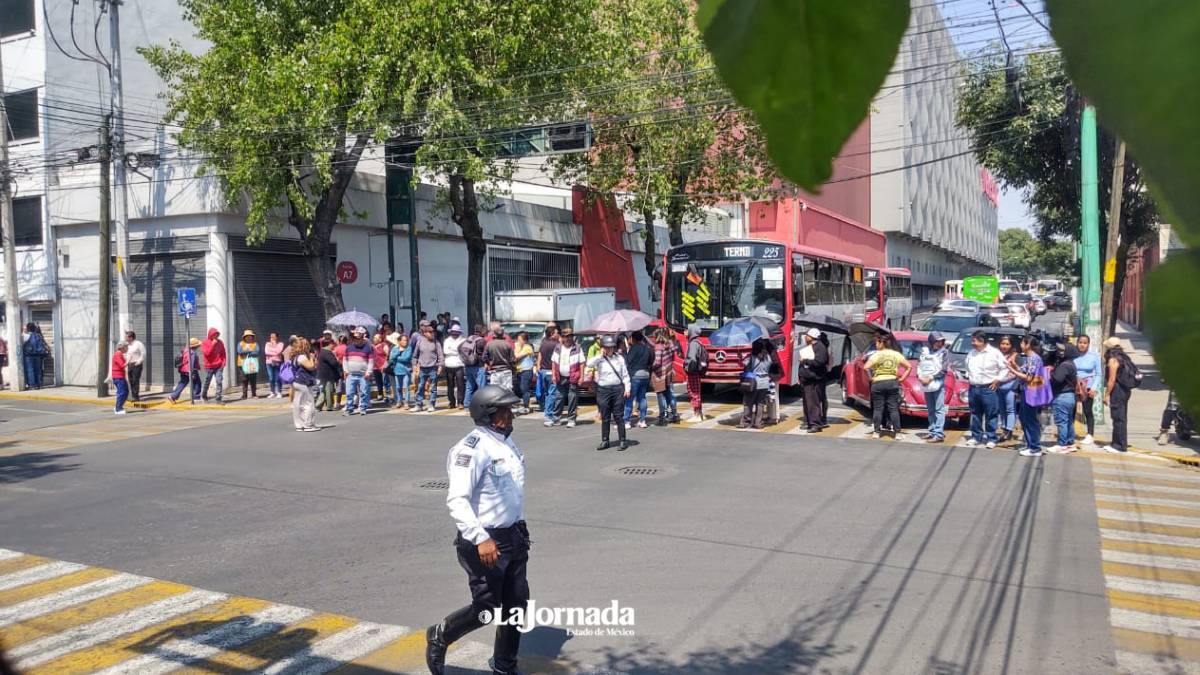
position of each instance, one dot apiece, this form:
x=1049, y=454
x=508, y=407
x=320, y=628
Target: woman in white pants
x=304, y=387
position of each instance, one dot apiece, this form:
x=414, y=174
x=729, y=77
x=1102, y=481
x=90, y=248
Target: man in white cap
x=456, y=385
x=814, y=366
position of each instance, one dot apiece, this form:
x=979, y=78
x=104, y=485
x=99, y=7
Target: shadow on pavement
x=30, y=465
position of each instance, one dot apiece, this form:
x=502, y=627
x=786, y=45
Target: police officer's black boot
x=440, y=636
x=504, y=654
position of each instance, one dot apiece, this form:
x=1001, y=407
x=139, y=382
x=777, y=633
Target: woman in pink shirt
x=382, y=349
x=273, y=350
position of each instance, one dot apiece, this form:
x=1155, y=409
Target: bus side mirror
x=872, y=305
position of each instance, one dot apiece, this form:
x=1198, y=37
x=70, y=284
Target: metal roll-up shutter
x=274, y=292
x=154, y=314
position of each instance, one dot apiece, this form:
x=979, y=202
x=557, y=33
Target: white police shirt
x=487, y=483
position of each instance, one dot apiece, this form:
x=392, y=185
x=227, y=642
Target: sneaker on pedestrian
x=1109, y=448
x=935, y=439
x=1055, y=449
x=603, y=445
x=924, y=434
x=118, y=412
x=1162, y=437
x=311, y=429
x=571, y=424
x=623, y=446
x=1088, y=440
x=991, y=445
x=875, y=434
x=1030, y=452
x=971, y=442
x=628, y=425
x=642, y=424
x=548, y=423
x=299, y=428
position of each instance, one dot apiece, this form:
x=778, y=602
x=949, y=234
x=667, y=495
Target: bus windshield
x=710, y=294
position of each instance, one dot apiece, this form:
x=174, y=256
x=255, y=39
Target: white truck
x=532, y=310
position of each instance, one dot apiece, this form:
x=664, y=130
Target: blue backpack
x=287, y=372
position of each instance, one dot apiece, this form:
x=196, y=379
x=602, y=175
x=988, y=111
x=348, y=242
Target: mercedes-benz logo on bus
x=720, y=357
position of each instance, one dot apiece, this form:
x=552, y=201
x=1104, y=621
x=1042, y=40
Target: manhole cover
x=638, y=471
x=435, y=484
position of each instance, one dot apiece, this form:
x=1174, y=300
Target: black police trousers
x=501, y=588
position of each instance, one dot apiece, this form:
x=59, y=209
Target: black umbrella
x=862, y=334
x=821, y=321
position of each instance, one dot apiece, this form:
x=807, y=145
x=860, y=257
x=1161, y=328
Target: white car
x=1020, y=315
x=1039, y=306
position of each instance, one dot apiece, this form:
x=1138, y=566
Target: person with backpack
x=814, y=365
x=247, y=362
x=187, y=364
x=33, y=355
x=695, y=365
x=470, y=351
x=755, y=383
x=1123, y=377
x=639, y=360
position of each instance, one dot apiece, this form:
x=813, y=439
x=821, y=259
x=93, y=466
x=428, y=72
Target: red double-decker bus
x=708, y=284
x=889, y=296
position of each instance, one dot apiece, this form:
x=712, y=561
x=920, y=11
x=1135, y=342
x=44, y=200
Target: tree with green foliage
x=1022, y=256
x=1024, y=126
x=667, y=134
x=291, y=93
x=1136, y=77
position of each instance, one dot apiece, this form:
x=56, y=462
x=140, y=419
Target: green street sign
x=985, y=289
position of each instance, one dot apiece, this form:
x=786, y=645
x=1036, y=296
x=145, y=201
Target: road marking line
x=1150, y=506
x=20, y=562
x=1148, y=518
x=1179, y=576
x=297, y=640
x=1174, y=531
x=1149, y=560
x=70, y=617
x=1154, y=604
x=128, y=645
x=39, y=589
x=101, y=631
x=1170, y=477
x=1150, y=587
x=1110, y=487
x=1154, y=623
x=1156, y=643
x=233, y=632
x=67, y=597
x=334, y=651
x=1132, y=662
x=39, y=573
x=468, y=655
x=1190, y=550
x=405, y=652
x=6, y=554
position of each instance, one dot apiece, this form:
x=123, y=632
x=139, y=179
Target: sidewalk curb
x=140, y=405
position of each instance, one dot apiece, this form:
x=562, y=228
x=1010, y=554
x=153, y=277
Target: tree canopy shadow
x=30, y=465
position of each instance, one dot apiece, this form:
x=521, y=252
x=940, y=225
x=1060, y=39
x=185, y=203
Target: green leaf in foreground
x=807, y=68
x=1173, y=323
x=1136, y=61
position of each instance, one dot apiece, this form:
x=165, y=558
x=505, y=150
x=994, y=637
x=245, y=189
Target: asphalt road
x=747, y=553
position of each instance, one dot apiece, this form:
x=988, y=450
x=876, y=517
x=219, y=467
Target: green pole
x=1090, y=238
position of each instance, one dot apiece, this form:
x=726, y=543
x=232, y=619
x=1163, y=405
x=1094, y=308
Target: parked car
x=956, y=305
x=856, y=382
x=961, y=344
x=1021, y=318
x=1023, y=298
x=1000, y=313
x=1062, y=300
x=950, y=323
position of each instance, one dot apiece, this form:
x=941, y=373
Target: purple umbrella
x=620, y=321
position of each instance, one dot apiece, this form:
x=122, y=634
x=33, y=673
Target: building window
x=22, y=109
x=18, y=17
x=27, y=220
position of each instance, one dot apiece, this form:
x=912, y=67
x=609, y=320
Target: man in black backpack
x=471, y=353
x=695, y=365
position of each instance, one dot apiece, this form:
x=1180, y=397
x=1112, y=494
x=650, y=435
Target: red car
x=856, y=383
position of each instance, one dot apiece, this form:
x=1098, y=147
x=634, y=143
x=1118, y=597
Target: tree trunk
x=676, y=207
x=464, y=210
x=653, y=268
x=1114, y=309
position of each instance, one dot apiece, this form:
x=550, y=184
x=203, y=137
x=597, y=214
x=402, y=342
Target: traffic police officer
x=486, y=500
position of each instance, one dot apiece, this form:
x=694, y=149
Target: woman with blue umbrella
x=759, y=368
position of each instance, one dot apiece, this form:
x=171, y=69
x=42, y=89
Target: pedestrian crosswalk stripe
x=15, y=563
x=333, y=651
x=1152, y=587
x=68, y=596
x=1154, y=623
x=39, y=573
x=68, y=618
x=1154, y=604
x=1150, y=504
x=127, y=645
x=1190, y=550
x=1144, y=527
x=1126, y=490
x=6, y=554
x=1147, y=516
x=21, y=593
x=1166, y=478
x=1177, y=576
x=404, y=652
x=264, y=651
x=166, y=656
x=103, y=631
x=1133, y=662
x=1157, y=643
x=1149, y=560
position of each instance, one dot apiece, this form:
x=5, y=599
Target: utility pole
x=121, y=219
x=1108, y=302
x=104, y=313
x=8, y=237
x=1090, y=235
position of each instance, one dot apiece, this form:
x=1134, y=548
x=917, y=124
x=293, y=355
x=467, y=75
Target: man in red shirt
x=212, y=351
x=118, y=377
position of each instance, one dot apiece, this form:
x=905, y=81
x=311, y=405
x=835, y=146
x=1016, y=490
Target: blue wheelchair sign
x=186, y=298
